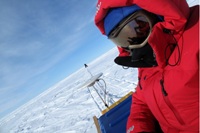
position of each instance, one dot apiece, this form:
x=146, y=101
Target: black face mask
x=141, y=57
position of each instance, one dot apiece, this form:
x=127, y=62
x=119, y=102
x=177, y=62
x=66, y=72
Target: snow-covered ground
x=193, y=2
x=67, y=107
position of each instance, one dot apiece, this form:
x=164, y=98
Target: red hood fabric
x=175, y=15
x=175, y=12
x=169, y=92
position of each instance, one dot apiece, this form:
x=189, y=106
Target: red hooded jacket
x=170, y=91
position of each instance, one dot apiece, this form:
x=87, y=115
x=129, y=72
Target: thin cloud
x=35, y=36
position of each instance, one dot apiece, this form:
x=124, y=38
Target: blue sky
x=41, y=43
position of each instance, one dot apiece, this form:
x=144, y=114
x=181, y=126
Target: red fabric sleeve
x=140, y=119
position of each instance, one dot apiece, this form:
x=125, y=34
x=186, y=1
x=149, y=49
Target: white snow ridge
x=67, y=107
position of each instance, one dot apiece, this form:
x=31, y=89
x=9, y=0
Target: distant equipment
x=86, y=67
x=114, y=117
x=99, y=86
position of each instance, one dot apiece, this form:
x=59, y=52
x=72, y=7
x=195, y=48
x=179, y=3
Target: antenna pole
x=86, y=66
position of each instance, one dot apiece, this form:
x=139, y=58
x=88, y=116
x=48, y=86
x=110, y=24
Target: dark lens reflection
x=142, y=28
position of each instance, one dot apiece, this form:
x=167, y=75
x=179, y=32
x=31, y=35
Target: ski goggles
x=133, y=32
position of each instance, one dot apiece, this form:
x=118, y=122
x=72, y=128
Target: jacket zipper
x=167, y=101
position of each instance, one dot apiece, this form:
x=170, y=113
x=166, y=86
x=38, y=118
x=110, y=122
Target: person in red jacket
x=161, y=39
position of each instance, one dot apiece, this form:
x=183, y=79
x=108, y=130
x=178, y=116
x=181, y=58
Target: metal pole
x=100, y=97
x=94, y=100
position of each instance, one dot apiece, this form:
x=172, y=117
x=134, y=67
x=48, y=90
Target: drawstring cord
x=172, y=47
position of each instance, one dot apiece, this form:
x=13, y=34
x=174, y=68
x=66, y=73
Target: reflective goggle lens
x=133, y=32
